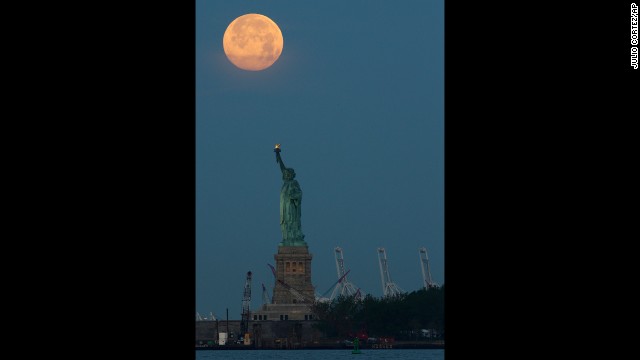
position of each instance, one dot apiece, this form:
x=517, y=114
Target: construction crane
x=343, y=286
x=426, y=270
x=389, y=288
x=246, y=302
x=265, y=296
x=323, y=298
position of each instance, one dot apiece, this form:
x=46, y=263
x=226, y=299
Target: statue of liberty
x=290, y=206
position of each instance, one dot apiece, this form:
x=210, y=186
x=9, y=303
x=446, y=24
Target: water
x=402, y=354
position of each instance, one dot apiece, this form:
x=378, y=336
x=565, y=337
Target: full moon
x=252, y=42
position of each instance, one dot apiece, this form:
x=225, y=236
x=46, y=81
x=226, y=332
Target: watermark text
x=634, y=35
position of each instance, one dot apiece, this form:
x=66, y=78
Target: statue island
x=293, y=293
x=285, y=321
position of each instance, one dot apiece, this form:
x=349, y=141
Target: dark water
x=403, y=354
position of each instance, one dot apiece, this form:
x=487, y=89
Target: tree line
x=402, y=316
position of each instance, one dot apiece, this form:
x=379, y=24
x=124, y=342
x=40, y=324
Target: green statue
x=290, y=206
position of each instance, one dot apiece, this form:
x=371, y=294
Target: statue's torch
x=277, y=151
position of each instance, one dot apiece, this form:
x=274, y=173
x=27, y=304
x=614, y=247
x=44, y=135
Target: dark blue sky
x=357, y=101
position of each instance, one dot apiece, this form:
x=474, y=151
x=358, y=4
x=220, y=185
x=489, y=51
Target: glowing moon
x=252, y=42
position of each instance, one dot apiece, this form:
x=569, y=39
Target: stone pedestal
x=293, y=293
x=293, y=276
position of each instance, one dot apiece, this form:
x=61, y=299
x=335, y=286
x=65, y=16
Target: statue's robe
x=291, y=212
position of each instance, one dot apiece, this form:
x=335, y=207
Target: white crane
x=200, y=318
x=426, y=270
x=343, y=287
x=389, y=288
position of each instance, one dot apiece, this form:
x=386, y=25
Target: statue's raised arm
x=278, y=158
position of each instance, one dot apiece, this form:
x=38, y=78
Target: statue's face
x=289, y=174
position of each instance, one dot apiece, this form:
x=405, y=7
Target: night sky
x=357, y=101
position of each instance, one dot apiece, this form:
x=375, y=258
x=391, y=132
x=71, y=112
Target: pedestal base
x=283, y=312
